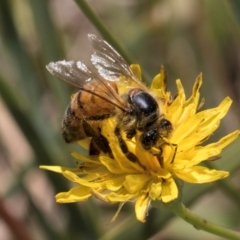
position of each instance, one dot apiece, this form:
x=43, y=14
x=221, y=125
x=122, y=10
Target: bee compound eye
x=143, y=102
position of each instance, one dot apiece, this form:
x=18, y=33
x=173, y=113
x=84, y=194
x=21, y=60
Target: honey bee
x=98, y=99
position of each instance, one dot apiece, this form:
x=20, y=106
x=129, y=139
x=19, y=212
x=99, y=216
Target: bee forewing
x=109, y=63
x=104, y=68
x=74, y=73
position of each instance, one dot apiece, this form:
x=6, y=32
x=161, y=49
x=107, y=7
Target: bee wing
x=77, y=74
x=74, y=73
x=109, y=63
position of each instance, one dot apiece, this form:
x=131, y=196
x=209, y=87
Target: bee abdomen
x=72, y=129
x=75, y=128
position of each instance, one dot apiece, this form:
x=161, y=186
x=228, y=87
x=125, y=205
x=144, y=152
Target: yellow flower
x=119, y=180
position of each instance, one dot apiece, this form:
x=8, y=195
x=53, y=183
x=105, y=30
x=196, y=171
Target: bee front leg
x=174, y=146
x=131, y=133
x=160, y=157
x=175, y=151
x=149, y=138
x=132, y=157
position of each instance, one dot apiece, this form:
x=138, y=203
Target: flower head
x=116, y=179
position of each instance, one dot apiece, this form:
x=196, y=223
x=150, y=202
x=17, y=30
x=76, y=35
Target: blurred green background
x=186, y=36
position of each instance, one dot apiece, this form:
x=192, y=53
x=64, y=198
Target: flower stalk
x=201, y=224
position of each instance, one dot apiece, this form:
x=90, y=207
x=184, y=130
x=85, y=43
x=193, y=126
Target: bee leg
x=132, y=157
x=175, y=146
x=160, y=158
x=93, y=149
x=159, y=154
x=131, y=133
x=98, y=140
x=149, y=138
x=103, y=144
x=175, y=151
x=99, y=144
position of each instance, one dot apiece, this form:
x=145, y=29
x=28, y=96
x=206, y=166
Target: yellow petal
x=146, y=158
x=79, y=193
x=114, y=197
x=194, y=99
x=198, y=174
x=136, y=182
x=90, y=159
x=223, y=142
x=184, y=130
x=59, y=169
x=85, y=143
x=169, y=190
x=197, y=85
x=201, y=125
x=159, y=82
x=224, y=107
x=155, y=190
x=74, y=178
x=202, y=154
x=190, y=106
x=113, y=166
x=161, y=173
x=115, y=183
x=177, y=105
x=99, y=195
x=215, y=114
x=136, y=70
x=196, y=137
x=141, y=206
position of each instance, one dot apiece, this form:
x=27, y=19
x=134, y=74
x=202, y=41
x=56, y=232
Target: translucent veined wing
x=109, y=63
x=74, y=73
x=78, y=75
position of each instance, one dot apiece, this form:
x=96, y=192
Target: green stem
x=101, y=27
x=202, y=224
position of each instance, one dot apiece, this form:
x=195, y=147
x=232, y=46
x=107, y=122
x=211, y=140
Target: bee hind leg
x=98, y=143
